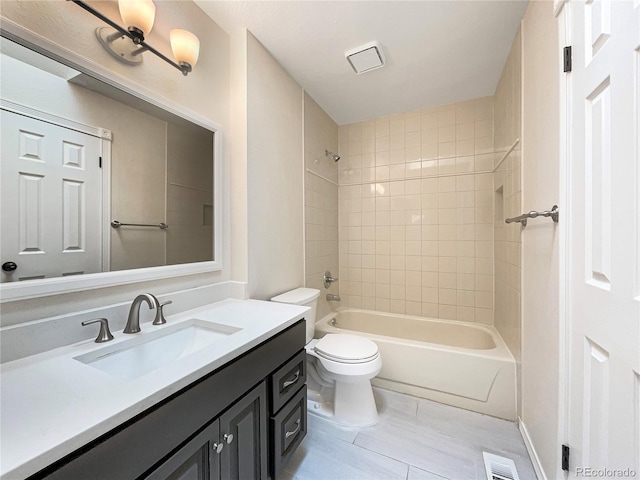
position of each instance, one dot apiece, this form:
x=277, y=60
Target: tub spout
x=332, y=297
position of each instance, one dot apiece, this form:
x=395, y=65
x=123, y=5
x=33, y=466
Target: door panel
x=604, y=244
x=51, y=199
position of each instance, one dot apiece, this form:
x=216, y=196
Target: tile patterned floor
x=415, y=439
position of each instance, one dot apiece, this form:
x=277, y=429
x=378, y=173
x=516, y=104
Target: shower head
x=332, y=155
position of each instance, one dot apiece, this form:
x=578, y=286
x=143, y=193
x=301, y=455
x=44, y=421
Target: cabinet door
x=243, y=430
x=199, y=459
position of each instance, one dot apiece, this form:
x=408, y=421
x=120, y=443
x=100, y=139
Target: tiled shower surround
x=416, y=212
x=320, y=202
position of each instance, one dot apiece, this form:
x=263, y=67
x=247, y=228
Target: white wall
x=540, y=279
x=274, y=176
x=238, y=147
x=204, y=92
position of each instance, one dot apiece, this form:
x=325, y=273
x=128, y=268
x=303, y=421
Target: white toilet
x=340, y=368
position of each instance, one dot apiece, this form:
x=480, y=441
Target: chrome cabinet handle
x=104, y=335
x=217, y=447
x=295, y=430
x=288, y=383
x=228, y=437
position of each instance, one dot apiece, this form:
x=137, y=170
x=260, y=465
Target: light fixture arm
x=185, y=69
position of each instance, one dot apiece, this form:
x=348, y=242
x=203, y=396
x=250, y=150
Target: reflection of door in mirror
x=160, y=170
x=52, y=227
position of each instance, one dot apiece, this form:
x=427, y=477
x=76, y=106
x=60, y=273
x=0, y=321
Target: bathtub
x=457, y=363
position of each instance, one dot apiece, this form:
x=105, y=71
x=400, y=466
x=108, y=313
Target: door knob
x=228, y=437
x=9, y=266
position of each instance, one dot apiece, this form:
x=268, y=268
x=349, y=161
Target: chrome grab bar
x=553, y=213
x=117, y=224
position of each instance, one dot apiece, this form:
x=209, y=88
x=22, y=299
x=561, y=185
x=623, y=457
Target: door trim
x=563, y=15
x=13, y=107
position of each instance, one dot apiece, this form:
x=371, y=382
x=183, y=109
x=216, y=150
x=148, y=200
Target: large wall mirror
x=94, y=180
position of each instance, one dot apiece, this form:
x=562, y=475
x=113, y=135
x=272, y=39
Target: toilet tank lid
x=299, y=296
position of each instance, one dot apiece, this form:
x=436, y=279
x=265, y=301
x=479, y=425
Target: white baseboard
x=535, y=460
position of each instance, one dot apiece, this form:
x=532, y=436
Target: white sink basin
x=149, y=351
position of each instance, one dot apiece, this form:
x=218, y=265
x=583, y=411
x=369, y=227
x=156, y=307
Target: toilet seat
x=345, y=348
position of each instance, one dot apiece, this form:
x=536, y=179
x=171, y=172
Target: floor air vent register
x=499, y=468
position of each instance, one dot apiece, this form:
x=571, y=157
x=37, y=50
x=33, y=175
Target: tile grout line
x=409, y=465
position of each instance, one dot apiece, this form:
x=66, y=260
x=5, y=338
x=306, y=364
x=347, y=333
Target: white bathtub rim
x=478, y=326
x=496, y=353
x=499, y=352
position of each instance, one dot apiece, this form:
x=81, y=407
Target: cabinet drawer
x=286, y=381
x=288, y=428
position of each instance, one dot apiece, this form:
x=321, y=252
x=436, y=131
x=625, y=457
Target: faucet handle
x=104, y=335
x=160, y=320
x=328, y=279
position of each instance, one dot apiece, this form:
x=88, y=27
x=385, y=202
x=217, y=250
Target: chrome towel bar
x=553, y=213
x=117, y=224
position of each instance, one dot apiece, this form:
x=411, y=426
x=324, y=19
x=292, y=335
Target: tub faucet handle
x=328, y=279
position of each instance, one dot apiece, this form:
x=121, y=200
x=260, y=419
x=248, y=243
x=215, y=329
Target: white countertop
x=52, y=404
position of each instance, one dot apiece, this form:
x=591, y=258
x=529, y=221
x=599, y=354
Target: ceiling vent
x=365, y=58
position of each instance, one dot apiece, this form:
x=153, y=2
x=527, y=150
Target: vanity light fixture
x=127, y=44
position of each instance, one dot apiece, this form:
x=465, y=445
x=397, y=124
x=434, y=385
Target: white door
x=604, y=248
x=51, y=200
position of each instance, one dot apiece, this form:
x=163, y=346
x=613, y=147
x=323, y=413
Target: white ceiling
x=437, y=52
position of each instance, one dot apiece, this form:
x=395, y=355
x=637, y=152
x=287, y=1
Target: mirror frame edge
x=15, y=291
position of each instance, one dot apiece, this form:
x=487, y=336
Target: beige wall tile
x=421, y=238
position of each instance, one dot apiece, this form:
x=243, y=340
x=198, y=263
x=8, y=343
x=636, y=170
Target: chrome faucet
x=331, y=297
x=133, y=322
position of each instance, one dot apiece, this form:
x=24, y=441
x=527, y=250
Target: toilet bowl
x=340, y=368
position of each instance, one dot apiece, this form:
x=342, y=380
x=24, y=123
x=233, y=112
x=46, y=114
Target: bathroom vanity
x=238, y=410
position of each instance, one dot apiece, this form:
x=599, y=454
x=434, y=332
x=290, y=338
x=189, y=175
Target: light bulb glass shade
x=138, y=13
x=185, y=46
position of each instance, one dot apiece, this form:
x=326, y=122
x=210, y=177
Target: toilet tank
x=307, y=297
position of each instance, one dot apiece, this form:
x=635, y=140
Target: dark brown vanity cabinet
x=233, y=447
x=222, y=426
x=288, y=423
